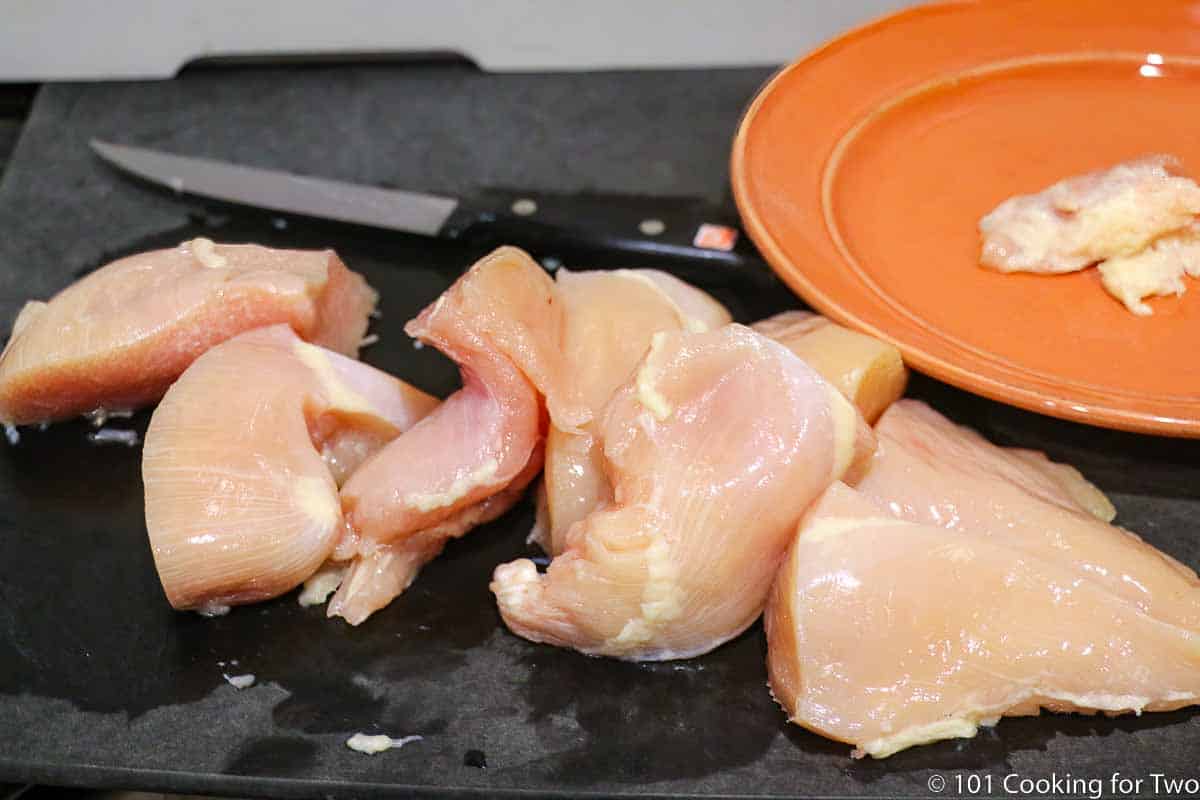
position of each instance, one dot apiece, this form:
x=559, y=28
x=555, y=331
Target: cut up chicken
x=609, y=319
x=714, y=448
x=928, y=469
x=984, y=582
x=868, y=371
x=501, y=323
x=609, y=326
x=242, y=458
x=370, y=581
x=1082, y=220
x=118, y=337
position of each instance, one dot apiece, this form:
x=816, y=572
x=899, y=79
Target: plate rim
x=1051, y=401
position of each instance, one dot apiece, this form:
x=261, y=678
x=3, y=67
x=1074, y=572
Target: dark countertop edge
x=172, y=782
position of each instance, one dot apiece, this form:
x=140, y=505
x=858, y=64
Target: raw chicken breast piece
x=573, y=485
x=697, y=310
x=501, y=323
x=372, y=580
x=886, y=633
x=714, y=448
x=928, y=469
x=868, y=371
x=1082, y=220
x=240, y=460
x=609, y=318
x=117, y=338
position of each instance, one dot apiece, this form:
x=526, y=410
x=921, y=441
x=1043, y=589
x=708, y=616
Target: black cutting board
x=102, y=684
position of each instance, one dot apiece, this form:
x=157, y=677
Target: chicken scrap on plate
x=1089, y=218
x=1136, y=220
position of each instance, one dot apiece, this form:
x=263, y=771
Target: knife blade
x=672, y=229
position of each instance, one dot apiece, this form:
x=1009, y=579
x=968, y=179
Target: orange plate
x=861, y=172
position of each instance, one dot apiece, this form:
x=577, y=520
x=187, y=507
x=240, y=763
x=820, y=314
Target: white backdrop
x=78, y=40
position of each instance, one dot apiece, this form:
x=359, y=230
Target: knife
x=676, y=229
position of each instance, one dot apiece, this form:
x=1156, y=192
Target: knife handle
x=684, y=235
